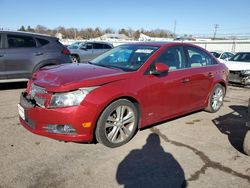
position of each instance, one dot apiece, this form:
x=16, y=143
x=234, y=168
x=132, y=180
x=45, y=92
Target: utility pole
x=175, y=27
x=216, y=26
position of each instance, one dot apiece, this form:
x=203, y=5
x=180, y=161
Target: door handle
x=210, y=75
x=38, y=53
x=1, y=55
x=185, y=80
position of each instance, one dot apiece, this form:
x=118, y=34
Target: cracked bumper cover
x=239, y=77
x=37, y=118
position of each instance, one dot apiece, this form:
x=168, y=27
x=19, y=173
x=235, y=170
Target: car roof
x=93, y=41
x=25, y=33
x=160, y=43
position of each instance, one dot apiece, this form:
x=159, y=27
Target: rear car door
x=2, y=51
x=202, y=68
x=20, y=55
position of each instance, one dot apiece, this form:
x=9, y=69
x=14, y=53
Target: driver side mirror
x=159, y=68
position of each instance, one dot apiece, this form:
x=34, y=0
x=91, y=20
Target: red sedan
x=125, y=89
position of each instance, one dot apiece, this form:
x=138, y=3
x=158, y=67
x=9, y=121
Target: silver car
x=86, y=51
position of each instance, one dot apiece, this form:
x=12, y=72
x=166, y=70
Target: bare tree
x=88, y=33
x=41, y=29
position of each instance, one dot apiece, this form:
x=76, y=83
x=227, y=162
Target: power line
x=216, y=26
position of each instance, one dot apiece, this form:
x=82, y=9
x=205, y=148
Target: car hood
x=237, y=65
x=69, y=77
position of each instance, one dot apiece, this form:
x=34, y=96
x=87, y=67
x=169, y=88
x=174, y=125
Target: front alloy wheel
x=117, y=124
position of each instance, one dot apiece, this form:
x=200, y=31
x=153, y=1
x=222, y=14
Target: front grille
x=26, y=104
x=36, y=89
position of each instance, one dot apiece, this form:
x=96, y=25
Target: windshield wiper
x=106, y=66
x=110, y=66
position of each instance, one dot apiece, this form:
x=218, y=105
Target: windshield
x=241, y=57
x=215, y=54
x=125, y=57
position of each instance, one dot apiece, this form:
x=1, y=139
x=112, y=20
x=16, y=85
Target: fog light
x=60, y=129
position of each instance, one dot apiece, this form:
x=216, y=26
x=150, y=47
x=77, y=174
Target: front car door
x=99, y=48
x=168, y=94
x=86, y=52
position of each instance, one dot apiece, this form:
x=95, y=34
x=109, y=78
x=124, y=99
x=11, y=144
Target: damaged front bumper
x=241, y=77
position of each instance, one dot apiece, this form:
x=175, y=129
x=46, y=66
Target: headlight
x=246, y=72
x=72, y=98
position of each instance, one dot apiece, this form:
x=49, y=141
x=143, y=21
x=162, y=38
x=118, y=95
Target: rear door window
x=42, y=41
x=20, y=41
x=198, y=58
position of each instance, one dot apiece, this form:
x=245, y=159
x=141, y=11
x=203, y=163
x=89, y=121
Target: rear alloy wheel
x=117, y=124
x=75, y=59
x=216, y=98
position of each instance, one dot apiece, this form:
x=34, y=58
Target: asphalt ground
x=197, y=150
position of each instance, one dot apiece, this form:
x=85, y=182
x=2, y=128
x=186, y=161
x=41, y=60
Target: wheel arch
x=77, y=55
x=221, y=82
x=129, y=98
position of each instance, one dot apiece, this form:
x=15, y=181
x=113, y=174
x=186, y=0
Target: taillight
x=66, y=52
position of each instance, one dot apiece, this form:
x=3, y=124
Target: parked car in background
x=75, y=45
x=222, y=56
x=86, y=51
x=239, y=67
x=23, y=53
x=125, y=89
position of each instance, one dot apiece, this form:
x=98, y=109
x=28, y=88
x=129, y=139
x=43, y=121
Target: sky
x=191, y=16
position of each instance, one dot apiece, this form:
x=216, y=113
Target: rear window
x=42, y=41
x=20, y=41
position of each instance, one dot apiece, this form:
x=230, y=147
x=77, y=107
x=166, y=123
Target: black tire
x=246, y=144
x=212, y=107
x=111, y=130
x=75, y=59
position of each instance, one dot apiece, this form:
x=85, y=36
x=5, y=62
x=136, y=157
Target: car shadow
x=234, y=126
x=13, y=85
x=150, y=166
